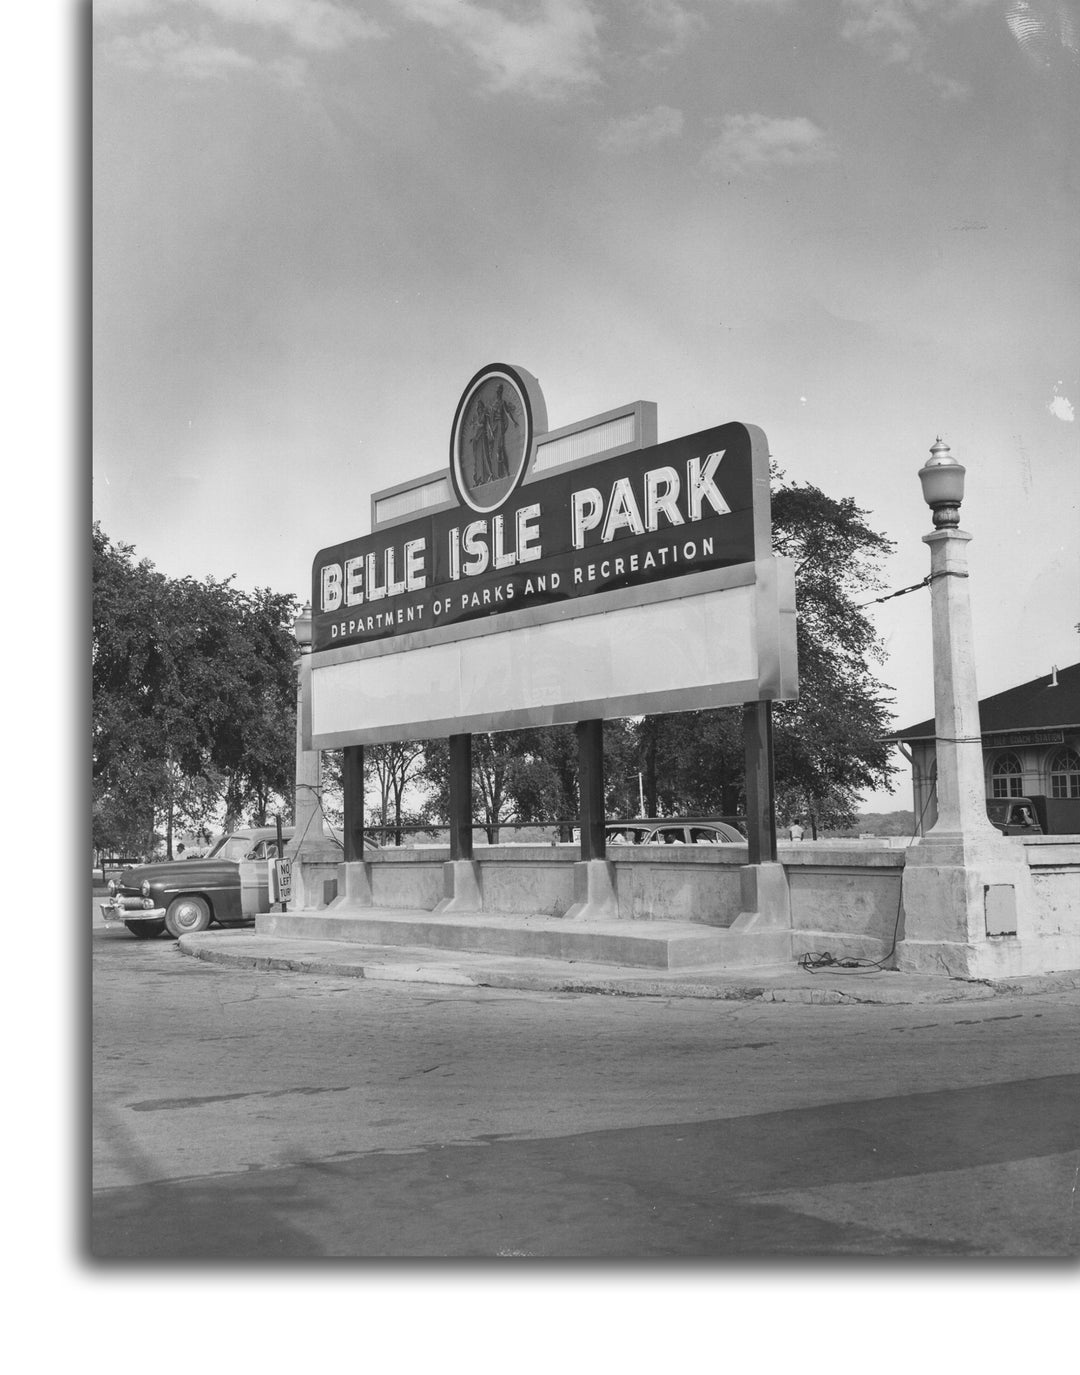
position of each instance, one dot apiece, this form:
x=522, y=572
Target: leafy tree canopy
x=827, y=744
x=193, y=700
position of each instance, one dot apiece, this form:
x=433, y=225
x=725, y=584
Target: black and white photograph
x=584, y=670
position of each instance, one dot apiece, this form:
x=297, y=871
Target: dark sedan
x=229, y=885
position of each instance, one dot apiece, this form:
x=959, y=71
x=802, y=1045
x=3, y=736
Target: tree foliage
x=193, y=700
x=827, y=744
x=530, y=777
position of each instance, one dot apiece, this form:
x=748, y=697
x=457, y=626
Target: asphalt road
x=246, y=1114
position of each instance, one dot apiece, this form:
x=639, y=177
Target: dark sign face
x=491, y=439
x=691, y=504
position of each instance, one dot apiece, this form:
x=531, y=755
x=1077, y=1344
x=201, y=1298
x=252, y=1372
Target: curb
x=463, y=969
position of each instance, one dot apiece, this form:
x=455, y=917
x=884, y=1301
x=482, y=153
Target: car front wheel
x=145, y=930
x=186, y=915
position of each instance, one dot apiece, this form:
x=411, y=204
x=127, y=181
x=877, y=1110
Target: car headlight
x=144, y=888
x=113, y=889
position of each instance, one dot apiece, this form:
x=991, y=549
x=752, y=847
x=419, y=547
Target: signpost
x=283, y=881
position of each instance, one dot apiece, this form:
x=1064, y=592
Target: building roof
x=1041, y=704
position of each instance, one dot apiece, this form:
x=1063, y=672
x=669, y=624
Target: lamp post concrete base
x=968, y=908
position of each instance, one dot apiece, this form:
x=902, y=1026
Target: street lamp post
x=307, y=800
x=307, y=818
x=961, y=779
x=967, y=895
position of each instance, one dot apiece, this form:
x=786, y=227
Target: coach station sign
x=535, y=596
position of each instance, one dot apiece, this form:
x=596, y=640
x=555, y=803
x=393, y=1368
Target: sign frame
x=640, y=582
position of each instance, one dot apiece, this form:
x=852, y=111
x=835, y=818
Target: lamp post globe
x=302, y=627
x=942, y=479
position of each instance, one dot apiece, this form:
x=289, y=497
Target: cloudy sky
x=851, y=222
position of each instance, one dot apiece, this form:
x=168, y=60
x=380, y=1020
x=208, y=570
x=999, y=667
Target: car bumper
x=117, y=912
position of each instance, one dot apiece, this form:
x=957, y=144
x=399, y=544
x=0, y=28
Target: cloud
x=176, y=53
x=553, y=51
x=206, y=54
x=904, y=32
x=672, y=23
x=756, y=144
x=1062, y=407
x=641, y=131
x=317, y=24
x=104, y=10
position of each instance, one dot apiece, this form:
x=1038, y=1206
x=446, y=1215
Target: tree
x=193, y=700
x=493, y=760
x=691, y=763
x=394, y=765
x=249, y=686
x=531, y=777
x=827, y=744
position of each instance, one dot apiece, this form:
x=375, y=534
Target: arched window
x=1007, y=779
x=1065, y=774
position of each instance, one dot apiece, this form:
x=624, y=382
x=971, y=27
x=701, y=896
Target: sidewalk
x=780, y=984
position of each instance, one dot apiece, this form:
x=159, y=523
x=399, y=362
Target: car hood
x=178, y=872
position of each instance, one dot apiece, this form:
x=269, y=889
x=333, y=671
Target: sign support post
x=595, y=898
x=590, y=743
x=760, y=787
x=352, y=786
x=461, y=874
x=354, y=875
x=461, y=836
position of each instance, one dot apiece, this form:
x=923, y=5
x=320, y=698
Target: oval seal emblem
x=491, y=443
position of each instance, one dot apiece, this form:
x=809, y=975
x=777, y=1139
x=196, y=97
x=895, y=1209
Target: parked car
x=674, y=833
x=1014, y=816
x=185, y=895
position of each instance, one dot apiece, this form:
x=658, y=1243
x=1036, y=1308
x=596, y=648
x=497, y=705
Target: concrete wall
x=845, y=895
x=845, y=899
x=1055, y=877
x=678, y=883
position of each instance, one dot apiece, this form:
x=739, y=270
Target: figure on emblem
x=481, y=445
x=503, y=412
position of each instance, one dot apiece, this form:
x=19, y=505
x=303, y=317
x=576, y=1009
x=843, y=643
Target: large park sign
x=639, y=580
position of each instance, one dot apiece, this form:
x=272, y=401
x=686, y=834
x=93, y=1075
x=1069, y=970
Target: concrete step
x=631, y=944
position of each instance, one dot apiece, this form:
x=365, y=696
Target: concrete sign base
x=461, y=886
x=595, y=894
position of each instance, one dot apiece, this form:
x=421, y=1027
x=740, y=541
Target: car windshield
x=233, y=848
x=627, y=835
